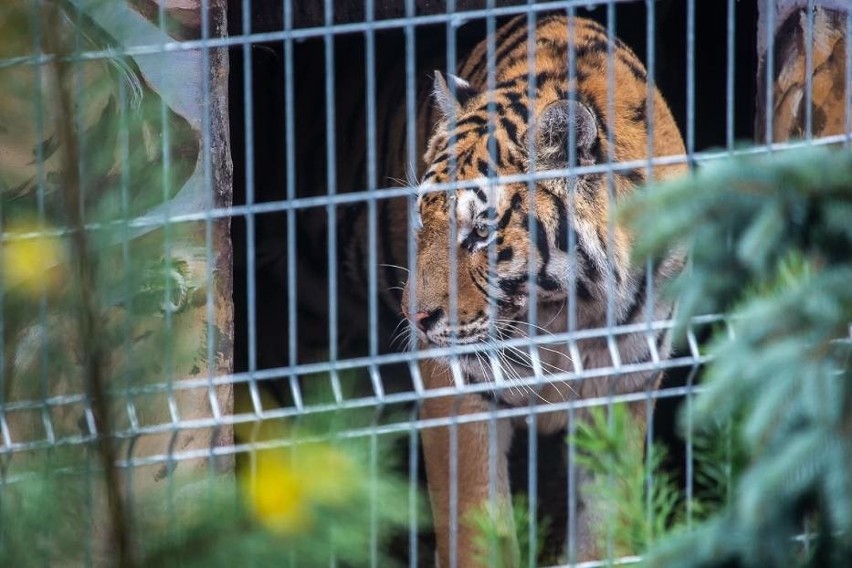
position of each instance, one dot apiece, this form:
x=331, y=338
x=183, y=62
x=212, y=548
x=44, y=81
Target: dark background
x=267, y=92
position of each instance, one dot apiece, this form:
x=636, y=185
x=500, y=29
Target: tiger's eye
x=481, y=231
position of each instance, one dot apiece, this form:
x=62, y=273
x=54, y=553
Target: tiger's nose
x=426, y=320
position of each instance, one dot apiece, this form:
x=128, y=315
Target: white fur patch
x=469, y=205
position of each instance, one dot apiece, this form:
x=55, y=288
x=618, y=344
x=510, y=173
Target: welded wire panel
x=407, y=325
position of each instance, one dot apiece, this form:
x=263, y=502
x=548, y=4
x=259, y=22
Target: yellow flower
x=277, y=495
x=288, y=486
x=30, y=259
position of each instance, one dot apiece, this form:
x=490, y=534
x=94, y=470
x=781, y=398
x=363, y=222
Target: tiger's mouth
x=494, y=359
x=510, y=366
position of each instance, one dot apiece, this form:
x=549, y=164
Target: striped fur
x=561, y=237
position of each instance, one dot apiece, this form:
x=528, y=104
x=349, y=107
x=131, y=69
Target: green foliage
x=310, y=497
x=771, y=243
x=638, y=502
x=502, y=534
x=740, y=218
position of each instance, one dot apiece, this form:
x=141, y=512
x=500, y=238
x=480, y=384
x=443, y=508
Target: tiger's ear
x=552, y=131
x=442, y=91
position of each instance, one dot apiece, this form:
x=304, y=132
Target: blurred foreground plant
x=105, y=308
x=770, y=241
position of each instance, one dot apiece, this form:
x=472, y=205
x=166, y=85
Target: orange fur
x=504, y=130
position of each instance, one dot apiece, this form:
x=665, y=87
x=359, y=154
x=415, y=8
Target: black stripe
x=506, y=48
x=563, y=230
x=483, y=168
x=503, y=34
x=592, y=269
x=603, y=131
x=478, y=285
x=636, y=176
x=595, y=46
x=511, y=286
x=541, y=243
x=638, y=300
x=509, y=83
x=471, y=119
x=640, y=112
x=547, y=283
x=589, y=25
x=510, y=128
x=517, y=106
x=583, y=292
x=634, y=68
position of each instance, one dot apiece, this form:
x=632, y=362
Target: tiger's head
x=489, y=245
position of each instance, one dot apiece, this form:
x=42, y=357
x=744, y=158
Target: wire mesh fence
x=235, y=227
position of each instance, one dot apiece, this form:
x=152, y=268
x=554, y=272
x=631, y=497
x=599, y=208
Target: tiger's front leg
x=467, y=488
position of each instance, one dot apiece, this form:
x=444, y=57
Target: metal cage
x=249, y=144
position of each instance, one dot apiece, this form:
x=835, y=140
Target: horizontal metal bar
x=457, y=19
x=388, y=359
x=394, y=192
x=396, y=427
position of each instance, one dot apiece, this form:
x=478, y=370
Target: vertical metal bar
x=331, y=211
x=40, y=218
x=413, y=441
x=251, y=292
x=168, y=324
x=848, y=82
x=571, y=523
x=290, y=144
x=453, y=301
x=374, y=495
x=372, y=294
x=571, y=315
x=411, y=134
x=611, y=159
x=491, y=253
x=372, y=184
x=768, y=72
x=370, y=48
x=610, y=241
x=690, y=82
x=690, y=152
x=650, y=26
x=729, y=83
x=572, y=163
x=411, y=169
x=809, y=71
x=689, y=465
x=532, y=309
x=454, y=491
x=532, y=315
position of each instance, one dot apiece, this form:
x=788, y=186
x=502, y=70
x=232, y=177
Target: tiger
x=488, y=249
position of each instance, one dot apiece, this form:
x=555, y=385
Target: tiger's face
x=488, y=248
